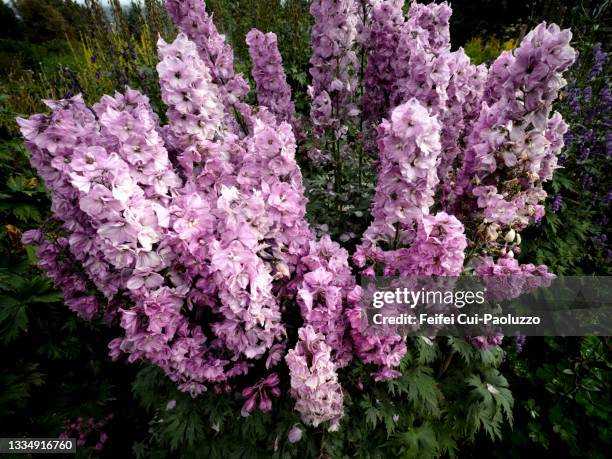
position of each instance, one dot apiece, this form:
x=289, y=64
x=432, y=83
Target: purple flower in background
x=556, y=203
x=599, y=58
x=88, y=431
x=584, y=154
x=192, y=19
x=519, y=343
x=381, y=39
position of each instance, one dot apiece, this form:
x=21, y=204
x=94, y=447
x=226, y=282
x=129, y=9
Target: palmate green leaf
x=13, y=318
x=447, y=445
x=463, y=348
x=140, y=450
x=372, y=413
x=422, y=389
x=27, y=290
x=10, y=281
x=427, y=350
x=7, y=304
x=149, y=386
x=389, y=422
x=418, y=442
x=16, y=384
x=562, y=181
x=371, y=416
x=31, y=254
x=481, y=415
x=491, y=356
x=183, y=426
x=26, y=212
x=49, y=297
x=490, y=401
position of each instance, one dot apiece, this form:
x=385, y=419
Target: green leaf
x=50, y=297
x=13, y=318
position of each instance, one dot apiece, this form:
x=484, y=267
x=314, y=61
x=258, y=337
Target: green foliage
x=100, y=56
x=564, y=406
x=420, y=414
x=41, y=21
x=486, y=50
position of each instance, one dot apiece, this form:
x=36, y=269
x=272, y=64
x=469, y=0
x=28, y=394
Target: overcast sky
x=105, y=1
x=125, y=2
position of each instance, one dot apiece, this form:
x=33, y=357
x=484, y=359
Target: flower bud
x=510, y=235
x=265, y=404
x=282, y=270
x=272, y=379
x=249, y=406
x=492, y=233
x=295, y=434
x=246, y=393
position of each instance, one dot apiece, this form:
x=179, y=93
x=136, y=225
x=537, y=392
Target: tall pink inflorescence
x=443, y=81
x=513, y=146
x=273, y=91
x=409, y=145
x=314, y=381
x=333, y=64
x=382, y=34
x=464, y=96
x=191, y=18
x=422, y=67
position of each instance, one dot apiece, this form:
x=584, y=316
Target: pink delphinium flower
x=191, y=18
x=381, y=40
x=409, y=145
x=273, y=91
x=514, y=136
x=333, y=61
x=314, y=381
